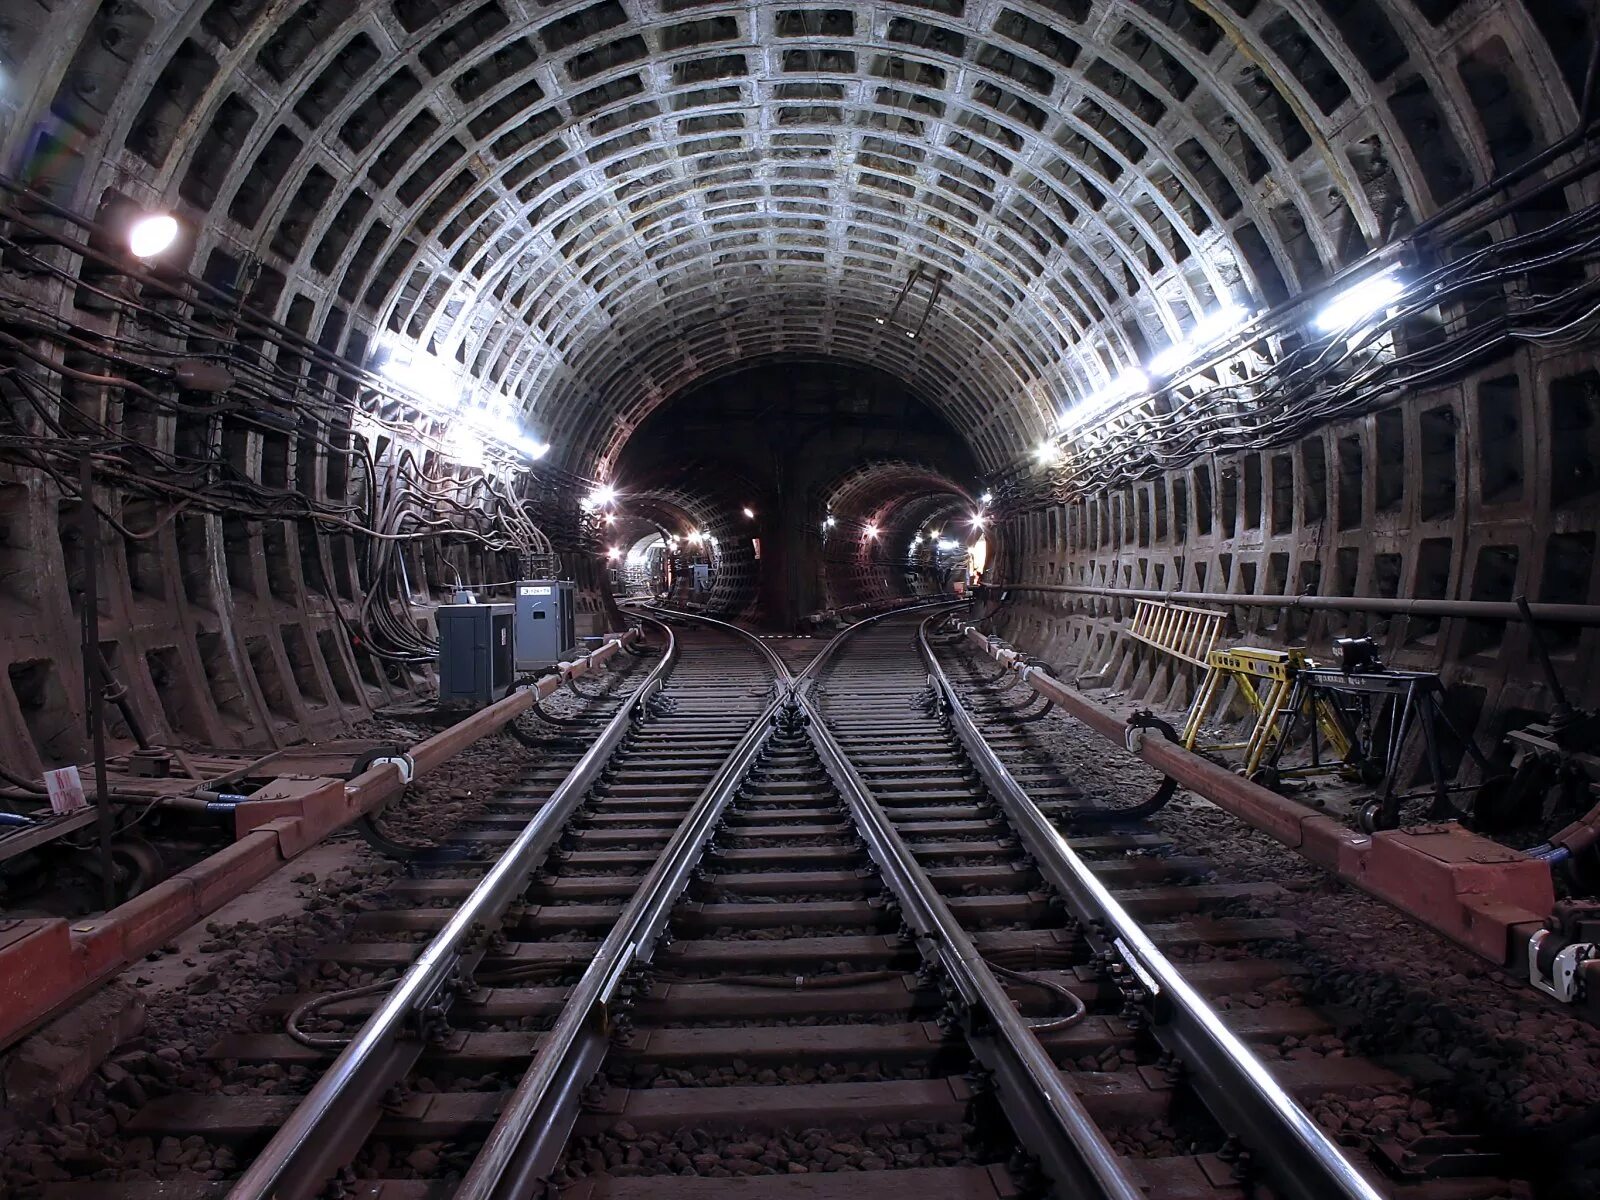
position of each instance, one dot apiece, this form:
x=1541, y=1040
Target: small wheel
x=1371, y=815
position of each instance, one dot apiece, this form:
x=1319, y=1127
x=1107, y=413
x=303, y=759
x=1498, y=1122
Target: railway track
x=766, y=934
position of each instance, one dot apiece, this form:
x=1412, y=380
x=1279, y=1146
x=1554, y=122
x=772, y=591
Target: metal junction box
x=476, y=652
x=547, y=630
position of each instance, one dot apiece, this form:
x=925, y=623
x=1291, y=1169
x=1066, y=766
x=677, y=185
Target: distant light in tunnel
x=978, y=519
x=151, y=234
x=611, y=518
x=749, y=514
x=827, y=523
x=696, y=537
x=1361, y=300
x=613, y=552
x=986, y=498
x=948, y=544
x=872, y=531
x=1048, y=453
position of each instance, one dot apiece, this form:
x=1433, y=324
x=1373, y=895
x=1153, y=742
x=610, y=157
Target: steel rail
x=1047, y=1114
x=533, y=1125
x=337, y=1115
x=1300, y=1160
x=536, y=1119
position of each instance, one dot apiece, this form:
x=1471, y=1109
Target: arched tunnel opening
x=782, y=468
x=1220, y=358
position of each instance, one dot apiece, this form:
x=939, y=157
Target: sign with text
x=65, y=787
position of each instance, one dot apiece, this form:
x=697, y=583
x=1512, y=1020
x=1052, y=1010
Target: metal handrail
x=316, y=1138
x=1048, y=1115
x=1301, y=1161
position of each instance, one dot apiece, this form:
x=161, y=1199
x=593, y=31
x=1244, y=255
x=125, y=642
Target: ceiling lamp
x=151, y=234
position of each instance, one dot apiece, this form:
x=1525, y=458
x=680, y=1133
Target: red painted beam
x=1479, y=894
x=48, y=964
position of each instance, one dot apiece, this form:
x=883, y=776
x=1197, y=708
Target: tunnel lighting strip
x=1362, y=313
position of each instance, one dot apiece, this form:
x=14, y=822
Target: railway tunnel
x=847, y=270
x=1151, y=328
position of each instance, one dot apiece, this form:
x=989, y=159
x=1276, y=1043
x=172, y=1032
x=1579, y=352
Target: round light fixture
x=151, y=234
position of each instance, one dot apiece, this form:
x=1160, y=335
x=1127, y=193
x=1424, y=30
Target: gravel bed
x=717, y=1155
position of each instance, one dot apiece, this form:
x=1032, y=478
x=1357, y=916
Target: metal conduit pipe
x=1302, y=1162
x=1482, y=610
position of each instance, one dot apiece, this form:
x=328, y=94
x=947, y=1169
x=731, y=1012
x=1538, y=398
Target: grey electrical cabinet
x=547, y=631
x=476, y=652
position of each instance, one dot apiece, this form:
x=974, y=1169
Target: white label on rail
x=1150, y=985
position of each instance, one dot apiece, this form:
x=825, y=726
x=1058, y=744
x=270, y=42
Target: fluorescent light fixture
x=1219, y=324
x=1361, y=300
x=1208, y=329
x=151, y=234
x=1130, y=383
x=1170, y=359
x=464, y=447
x=502, y=428
x=426, y=376
x=749, y=514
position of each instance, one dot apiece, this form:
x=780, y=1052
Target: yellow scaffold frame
x=1266, y=681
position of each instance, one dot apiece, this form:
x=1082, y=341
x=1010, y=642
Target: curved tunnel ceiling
x=591, y=205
